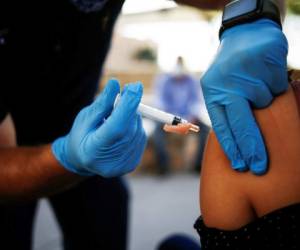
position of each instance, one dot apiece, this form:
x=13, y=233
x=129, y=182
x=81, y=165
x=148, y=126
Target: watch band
x=271, y=10
x=265, y=9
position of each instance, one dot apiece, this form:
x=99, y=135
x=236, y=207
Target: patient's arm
x=218, y=4
x=204, y=4
x=230, y=199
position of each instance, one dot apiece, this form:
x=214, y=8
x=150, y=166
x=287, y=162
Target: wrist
x=46, y=155
x=247, y=11
x=281, y=4
x=258, y=25
x=59, y=151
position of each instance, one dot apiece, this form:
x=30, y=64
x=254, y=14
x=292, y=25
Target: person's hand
x=249, y=70
x=104, y=141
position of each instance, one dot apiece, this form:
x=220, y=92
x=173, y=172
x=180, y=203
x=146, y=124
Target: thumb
x=123, y=115
x=105, y=101
x=225, y=137
x=102, y=107
x=128, y=104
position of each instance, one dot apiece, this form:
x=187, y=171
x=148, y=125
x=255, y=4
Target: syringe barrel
x=155, y=114
x=152, y=113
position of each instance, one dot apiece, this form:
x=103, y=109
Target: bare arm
x=218, y=4
x=204, y=4
x=282, y=7
x=29, y=172
x=230, y=199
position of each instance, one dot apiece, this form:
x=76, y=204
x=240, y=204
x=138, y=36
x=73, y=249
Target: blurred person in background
x=178, y=93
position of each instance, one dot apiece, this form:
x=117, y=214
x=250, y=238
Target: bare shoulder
x=224, y=204
x=230, y=199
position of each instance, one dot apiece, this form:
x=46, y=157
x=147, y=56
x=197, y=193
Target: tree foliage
x=145, y=54
x=294, y=6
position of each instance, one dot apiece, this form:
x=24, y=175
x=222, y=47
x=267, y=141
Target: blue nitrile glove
x=250, y=68
x=104, y=141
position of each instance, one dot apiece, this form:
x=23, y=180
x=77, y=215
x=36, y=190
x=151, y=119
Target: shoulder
x=230, y=199
x=224, y=204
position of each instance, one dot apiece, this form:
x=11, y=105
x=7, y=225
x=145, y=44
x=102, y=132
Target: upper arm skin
x=204, y=4
x=219, y=4
x=224, y=204
x=230, y=199
x=7, y=133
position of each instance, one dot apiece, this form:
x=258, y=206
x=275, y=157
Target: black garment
x=51, y=57
x=50, y=64
x=277, y=230
x=92, y=216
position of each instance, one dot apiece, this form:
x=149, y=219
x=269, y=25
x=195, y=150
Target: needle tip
x=194, y=128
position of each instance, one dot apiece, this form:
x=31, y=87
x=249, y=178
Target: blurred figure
x=180, y=94
x=178, y=242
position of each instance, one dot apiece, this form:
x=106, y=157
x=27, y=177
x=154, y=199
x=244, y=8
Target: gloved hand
x=250, y=68
x=104, y=141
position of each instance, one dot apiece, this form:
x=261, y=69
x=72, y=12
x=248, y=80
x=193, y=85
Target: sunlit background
x=171, y=30
x=150, y=35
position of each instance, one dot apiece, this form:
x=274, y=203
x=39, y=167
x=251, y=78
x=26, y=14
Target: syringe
x=160, y=116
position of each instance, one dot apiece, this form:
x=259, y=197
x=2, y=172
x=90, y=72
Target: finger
x=257, y=91
x=128, y=154
x=136, y=148
x=102, y=107
x=247, y=134
x=123, y=114
x=137, y=156
x=128, y=104
x=105, y=101
x=276, y=63
x=221, y=128
x=140, y=141
x=279, y=80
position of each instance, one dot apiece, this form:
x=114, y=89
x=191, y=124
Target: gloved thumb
x=127, y=107
x=102, y=107
x=124, y=114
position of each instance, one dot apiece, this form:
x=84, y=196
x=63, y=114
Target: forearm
x=282, y=6
x=204, y=4
x=31, y=172
x=218, y=4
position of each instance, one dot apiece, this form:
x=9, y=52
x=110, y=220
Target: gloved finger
x=122, y=116
x=138, y=144
x=136, y=148
x=279, y=82
x=137, y=154
x=251, y=87
x=247, y=134
x=128, y=153
x=221, y=128
x=103, y=105
x=276, y=63
x=116, y=143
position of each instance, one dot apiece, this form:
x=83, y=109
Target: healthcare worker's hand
x=104, y=141
x=249, y=70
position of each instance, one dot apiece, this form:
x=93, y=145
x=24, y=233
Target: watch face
x=239, y=7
